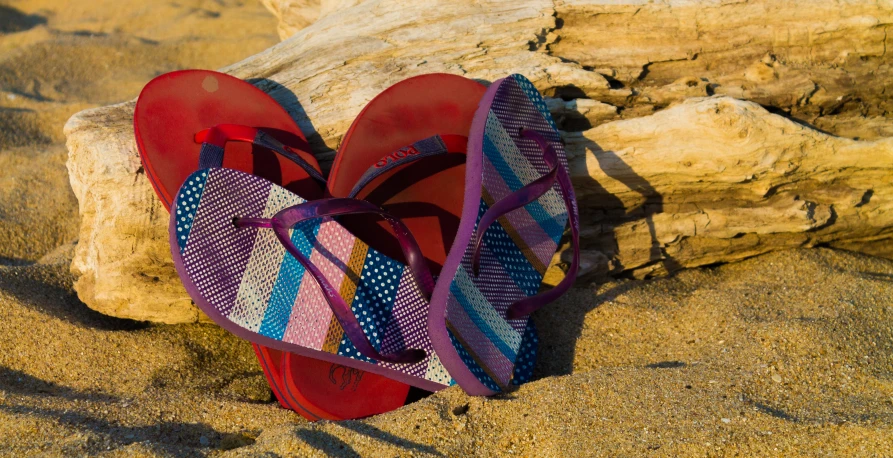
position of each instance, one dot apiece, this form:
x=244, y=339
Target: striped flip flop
x=278, y=271
x=253, y=134
x=518, y=201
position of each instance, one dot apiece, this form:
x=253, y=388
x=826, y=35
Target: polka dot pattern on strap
x=187, y=203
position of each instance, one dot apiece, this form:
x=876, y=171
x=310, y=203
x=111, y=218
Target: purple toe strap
x=522, y=197
x=289, y=217
x=214, y=141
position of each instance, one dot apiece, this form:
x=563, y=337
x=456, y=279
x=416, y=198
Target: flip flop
x=176, y=109
x=518, y=201
x=412, y=109
x=230, y=245
x=276, y=269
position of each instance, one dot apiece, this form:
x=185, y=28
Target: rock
x=706, y=180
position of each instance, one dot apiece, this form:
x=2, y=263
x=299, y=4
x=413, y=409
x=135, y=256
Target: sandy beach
x=785, y=354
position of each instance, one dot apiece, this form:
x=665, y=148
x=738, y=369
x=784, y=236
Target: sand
x=787, y=354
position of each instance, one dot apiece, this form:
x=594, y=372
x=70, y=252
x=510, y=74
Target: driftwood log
x=698, y=131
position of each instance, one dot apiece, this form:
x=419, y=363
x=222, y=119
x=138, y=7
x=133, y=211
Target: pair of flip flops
x=438, y=178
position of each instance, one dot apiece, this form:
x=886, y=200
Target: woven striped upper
x=517, y=249
x=246, y=281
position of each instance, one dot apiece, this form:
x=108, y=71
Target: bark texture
x=686, y=122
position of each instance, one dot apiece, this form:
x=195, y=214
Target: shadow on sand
x=48, y=290
x=560, y=324
x=13, y=20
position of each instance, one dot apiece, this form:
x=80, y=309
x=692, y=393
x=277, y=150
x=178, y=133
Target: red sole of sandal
x=427, y=195
x=409, y=111
x=173, y=107
x=342, y=393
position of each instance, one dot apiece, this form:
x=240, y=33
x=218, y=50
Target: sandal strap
x=431, y=146
x=527, y=194
x=329, y=207
x=214, y=141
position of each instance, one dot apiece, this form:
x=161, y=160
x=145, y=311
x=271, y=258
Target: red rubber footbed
x=173, y=107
